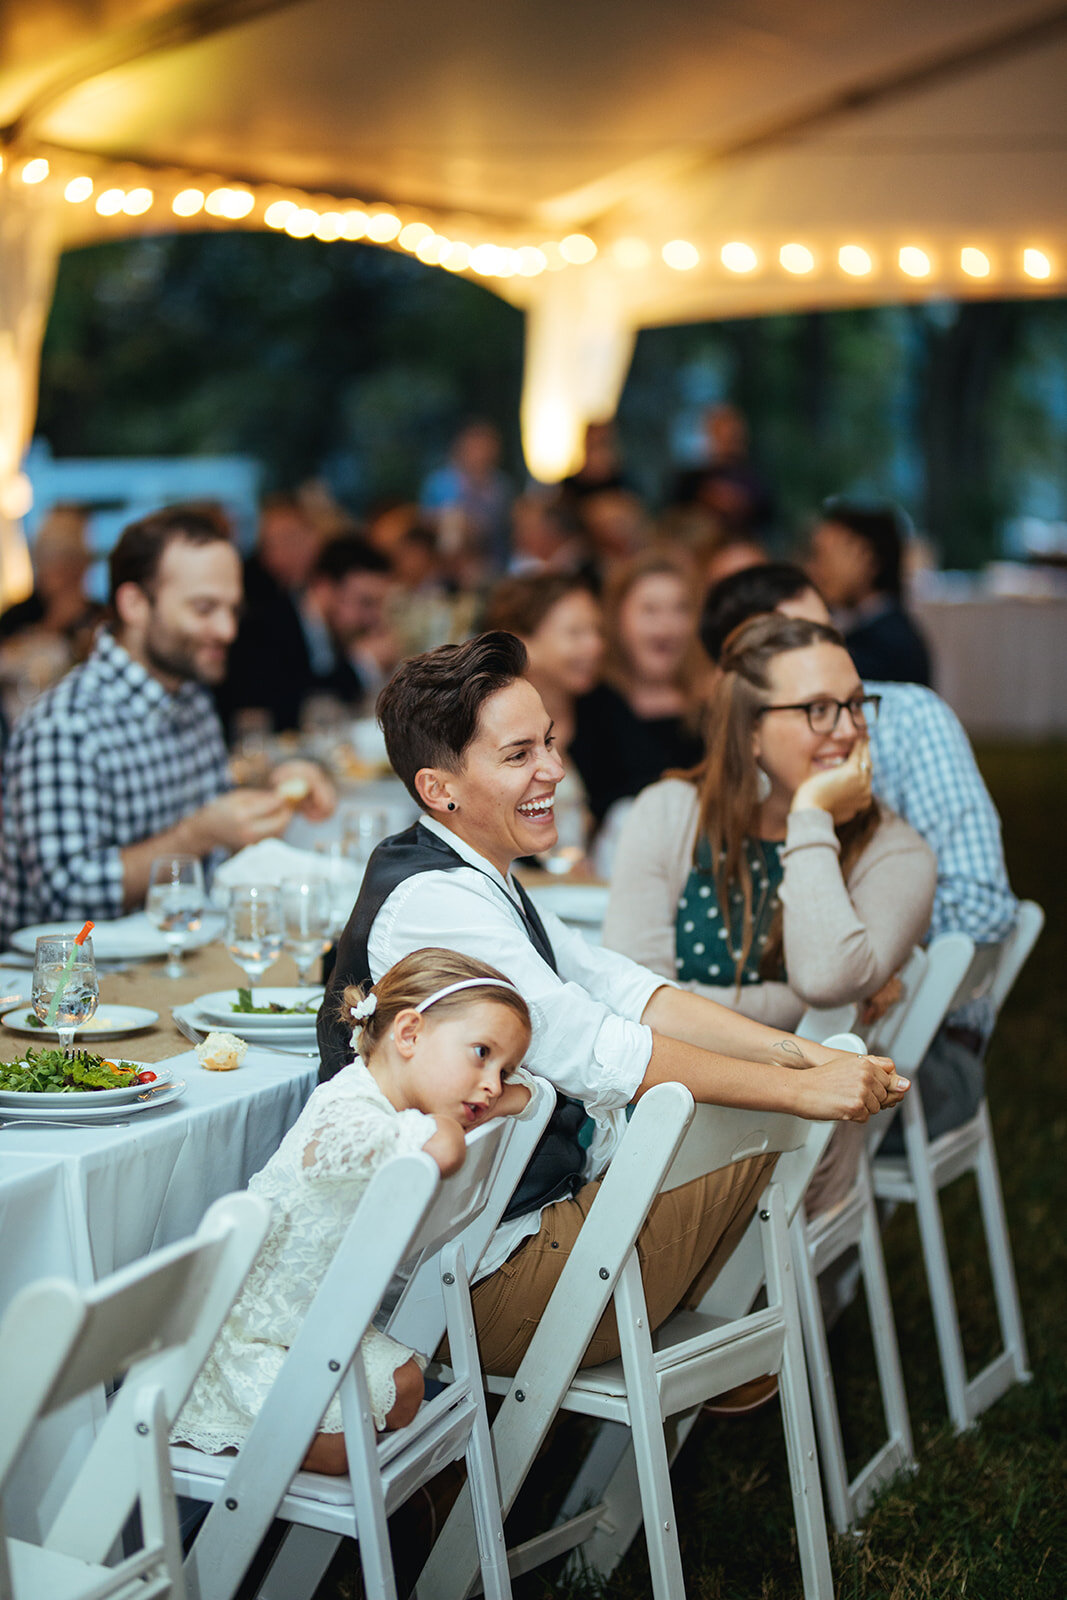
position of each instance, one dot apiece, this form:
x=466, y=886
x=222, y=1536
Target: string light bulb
x=109, y=203
x=738, y=257
x=35, y=171
x=577, y=249
x=855, y=260
x=189, y=203
x=915, y=263
x=1036, y=264
x=680, y=255
x=796, y=258
x=78, y=189
x=383, y=227
x=137, y=202
x=975, y=263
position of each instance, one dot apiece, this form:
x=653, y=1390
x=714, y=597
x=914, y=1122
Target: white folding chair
x=152, y=1324
x=666, y=1374
x=407, y=1217
x=928, y=1166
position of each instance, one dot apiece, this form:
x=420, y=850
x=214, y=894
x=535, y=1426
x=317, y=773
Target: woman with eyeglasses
x=768, y=877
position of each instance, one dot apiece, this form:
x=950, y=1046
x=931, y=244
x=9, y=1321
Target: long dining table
x=82, y=1202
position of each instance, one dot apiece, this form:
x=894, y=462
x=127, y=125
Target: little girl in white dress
x=435, y=1036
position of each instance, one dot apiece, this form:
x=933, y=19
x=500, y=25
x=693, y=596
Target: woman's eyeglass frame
x=862, y=710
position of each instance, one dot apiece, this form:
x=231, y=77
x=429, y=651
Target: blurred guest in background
x=732, y=555
x=546, y=535
x=124, y=760
x=855, y=563
x=469, y=500
x=601, y=466
x=644, y=717
x=727, y=484
x=423, y=609
x=43, y=636
x=558, y=619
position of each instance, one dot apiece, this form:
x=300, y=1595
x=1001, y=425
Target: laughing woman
x=768, y=878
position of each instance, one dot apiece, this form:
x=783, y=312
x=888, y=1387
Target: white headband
x=369, y=1004
x=466, y=983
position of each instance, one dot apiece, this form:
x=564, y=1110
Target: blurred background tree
x=359, y=365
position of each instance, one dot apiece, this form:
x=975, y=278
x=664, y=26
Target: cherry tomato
x=146, y=1077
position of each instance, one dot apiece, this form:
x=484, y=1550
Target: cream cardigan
x=841, y=942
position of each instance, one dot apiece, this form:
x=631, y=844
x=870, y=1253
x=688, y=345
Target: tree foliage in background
x=359, y=364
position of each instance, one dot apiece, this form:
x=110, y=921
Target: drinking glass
x=76, y=984
x=339, y=882
x=254, y=928
x=175, y=904
x=362, y=827
x=308, y=912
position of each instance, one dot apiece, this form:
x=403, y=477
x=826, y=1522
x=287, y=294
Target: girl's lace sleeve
x=350, y=1140
x=382, y=1356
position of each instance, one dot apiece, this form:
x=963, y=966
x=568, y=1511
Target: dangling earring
x=452, y=803
x=763, y=785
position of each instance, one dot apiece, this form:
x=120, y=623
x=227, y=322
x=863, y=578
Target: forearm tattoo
x=794, y=1055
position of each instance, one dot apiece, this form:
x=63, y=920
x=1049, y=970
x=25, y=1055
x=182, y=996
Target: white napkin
x=271, y=860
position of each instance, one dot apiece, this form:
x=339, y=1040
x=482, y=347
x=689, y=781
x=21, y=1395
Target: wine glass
x=65, y=989
x=308, y=912
x=254, y=927
x=362, y=827
x=342, y=889
x=175, y=904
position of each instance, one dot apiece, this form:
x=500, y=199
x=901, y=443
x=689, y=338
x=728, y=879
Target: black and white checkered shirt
x=106, y=758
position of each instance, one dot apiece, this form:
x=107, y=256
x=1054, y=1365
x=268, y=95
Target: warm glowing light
x=854, y=259
x=231, y=203
x=137, y=202
x=354, y=225
x=431, y=249
x=484, y=258
x=914, y=262
x=796, y=258
x=630, y=254
x=188, y=203
x=329, y=227
x=530, y=261
x=681, y=255
x=278, y=213
x=577, y=249
x=738, y=257
x=2, y=163
x=1036, y=264
x=975, y=263
x=382, y=227
x=553, y=257
x=77, y=190
x=301, y=224
x=457, y=258
x=109, y=204
x=16, y=497
x=35, y=171
x=412, y=236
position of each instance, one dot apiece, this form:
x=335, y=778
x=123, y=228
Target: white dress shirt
x=588, y=1039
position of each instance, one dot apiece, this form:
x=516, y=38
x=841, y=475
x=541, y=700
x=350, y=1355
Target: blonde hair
x=415, y=978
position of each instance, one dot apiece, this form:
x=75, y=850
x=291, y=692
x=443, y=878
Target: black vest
x=555, y=1169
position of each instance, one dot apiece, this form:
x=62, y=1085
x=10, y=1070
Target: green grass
x=985, y=1516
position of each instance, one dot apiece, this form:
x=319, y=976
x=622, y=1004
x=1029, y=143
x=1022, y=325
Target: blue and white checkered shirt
x=924, y=769
x=105, y=759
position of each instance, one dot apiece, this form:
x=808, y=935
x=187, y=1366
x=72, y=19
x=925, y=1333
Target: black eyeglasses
x=824, y=714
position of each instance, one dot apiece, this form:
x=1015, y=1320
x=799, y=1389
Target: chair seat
x=49, y=1575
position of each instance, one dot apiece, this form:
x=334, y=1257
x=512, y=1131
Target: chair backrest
x=152, y=1322
x=995, y=967
x=819, y=1022
x=418, y=1319
x=921, y=1013
x=882, y=1034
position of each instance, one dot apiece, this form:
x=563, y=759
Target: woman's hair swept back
x=429, y=709
x=727, y=778
x=415, y=978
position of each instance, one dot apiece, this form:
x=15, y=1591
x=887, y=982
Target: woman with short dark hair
x=471, y=740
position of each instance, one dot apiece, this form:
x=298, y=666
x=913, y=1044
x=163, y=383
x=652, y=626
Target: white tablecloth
x=1001, y=663
x=83, y=1202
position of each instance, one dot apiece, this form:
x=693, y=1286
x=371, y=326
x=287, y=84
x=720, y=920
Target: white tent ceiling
x=939, y=125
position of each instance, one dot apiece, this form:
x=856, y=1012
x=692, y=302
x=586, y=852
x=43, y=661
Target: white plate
x=54, y=1100
x=131, y=938
x=218, y=1008
x=74, y=1108
x=112, y=1022
x=586, y=903
x=296, y=1038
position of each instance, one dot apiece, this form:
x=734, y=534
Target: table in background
x=1001, y=663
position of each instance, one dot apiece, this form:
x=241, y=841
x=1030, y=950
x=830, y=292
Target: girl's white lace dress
x=313, y=1183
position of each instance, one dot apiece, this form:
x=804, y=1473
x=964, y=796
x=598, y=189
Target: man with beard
x=124, y=759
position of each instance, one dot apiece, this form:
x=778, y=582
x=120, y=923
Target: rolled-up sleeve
x=588, y=1039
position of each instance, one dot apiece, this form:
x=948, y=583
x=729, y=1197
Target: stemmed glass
x=254, y=928
x=362, y=827
x=74, y=980
x=175, y=904
x=308, y=912
x=339, y=883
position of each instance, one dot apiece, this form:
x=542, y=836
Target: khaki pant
x=687, y=1237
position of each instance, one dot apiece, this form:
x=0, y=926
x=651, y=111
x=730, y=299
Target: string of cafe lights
x=380, y=225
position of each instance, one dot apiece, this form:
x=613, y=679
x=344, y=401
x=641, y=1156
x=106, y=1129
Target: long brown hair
x=727, y=778
x=655, y=562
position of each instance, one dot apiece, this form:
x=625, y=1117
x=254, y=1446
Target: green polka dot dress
x=703, y=939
